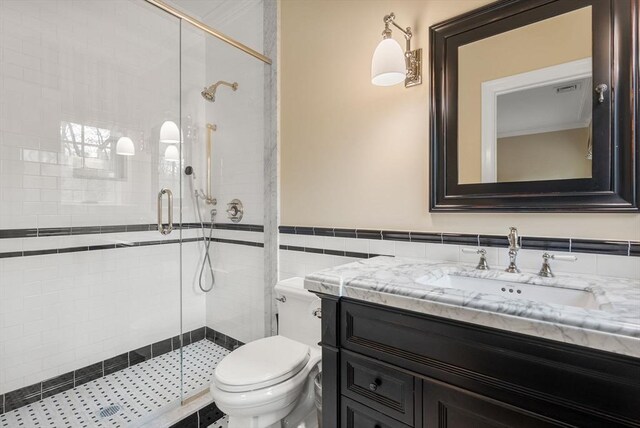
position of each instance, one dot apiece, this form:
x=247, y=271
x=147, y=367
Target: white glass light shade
x=388, y=66
x=172, y=154
x=125, y=147
x=169, y=133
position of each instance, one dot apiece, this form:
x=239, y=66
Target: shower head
x=209, y=93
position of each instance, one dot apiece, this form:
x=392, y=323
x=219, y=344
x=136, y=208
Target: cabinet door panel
x=445, y=406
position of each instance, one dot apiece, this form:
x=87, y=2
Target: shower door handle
x=165, y=230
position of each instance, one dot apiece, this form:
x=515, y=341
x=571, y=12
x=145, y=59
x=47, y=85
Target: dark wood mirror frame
x=616, y=174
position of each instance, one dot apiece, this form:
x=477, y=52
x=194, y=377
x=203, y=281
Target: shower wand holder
x=209, y=200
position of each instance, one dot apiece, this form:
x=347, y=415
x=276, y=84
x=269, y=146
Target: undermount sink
x=537, y=293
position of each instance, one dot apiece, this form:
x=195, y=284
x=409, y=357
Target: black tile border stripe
x=12, y=254
x=237, y=242
x=617, y=248
x=233, y=226
x=32, y=393
x=330, y=252
x=573, y=245
x=122, y=228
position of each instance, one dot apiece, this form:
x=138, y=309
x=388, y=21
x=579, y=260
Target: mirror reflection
x=525, y=102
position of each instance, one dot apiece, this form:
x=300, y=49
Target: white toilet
x=268, y=383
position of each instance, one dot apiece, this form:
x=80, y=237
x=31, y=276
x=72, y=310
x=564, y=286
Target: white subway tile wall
x=76, y=76
x=238, y=297
x=65, y=311
x=236, y=305
x=298, y=263
x=238, y=142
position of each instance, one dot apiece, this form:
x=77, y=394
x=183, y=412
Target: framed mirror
x=534, y=107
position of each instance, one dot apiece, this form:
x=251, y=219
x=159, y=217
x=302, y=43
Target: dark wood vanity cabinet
x=384, y=367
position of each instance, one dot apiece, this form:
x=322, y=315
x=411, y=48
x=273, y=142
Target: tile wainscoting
x=308, y=249
x=65, y=305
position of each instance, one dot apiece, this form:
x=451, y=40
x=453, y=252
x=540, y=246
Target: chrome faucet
x=514, y=246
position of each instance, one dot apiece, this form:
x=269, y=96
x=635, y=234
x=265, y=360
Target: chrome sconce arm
x=413, y=58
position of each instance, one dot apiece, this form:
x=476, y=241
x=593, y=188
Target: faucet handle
x=474, y=250
x=513, y=238
x=548, y=256
x=545, y=270
x=482, y=264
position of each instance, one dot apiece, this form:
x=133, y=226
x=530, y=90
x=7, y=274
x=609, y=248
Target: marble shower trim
x=402, y=283
x=271, y=159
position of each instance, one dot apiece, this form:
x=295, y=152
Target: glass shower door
x=196, y=217
x=90, y=297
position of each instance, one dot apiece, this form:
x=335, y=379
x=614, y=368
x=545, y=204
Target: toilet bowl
x=269, y=382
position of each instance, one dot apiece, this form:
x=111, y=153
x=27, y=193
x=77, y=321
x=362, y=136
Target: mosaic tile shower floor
x=128, y=398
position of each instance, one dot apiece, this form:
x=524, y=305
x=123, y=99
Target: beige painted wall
x=547, y=156
x=550, y=42
x=357, y=155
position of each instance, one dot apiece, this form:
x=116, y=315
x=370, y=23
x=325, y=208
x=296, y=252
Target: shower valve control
x=235, y=210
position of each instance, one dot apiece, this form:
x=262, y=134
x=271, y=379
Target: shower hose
x=206, y=261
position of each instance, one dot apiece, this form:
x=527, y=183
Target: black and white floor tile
x=127, y=398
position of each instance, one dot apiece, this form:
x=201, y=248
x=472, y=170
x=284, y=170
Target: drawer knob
x=375, y=384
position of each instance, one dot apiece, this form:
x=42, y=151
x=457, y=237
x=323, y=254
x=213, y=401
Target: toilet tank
x=296, y=319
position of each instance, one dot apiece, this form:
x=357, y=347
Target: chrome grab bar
x=169, y=228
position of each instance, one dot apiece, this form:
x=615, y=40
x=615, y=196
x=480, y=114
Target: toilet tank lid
x=261, y=363
x=292, y=283
x=294, y=287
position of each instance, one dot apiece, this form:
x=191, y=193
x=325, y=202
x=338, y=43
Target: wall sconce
x=390, y=65
x=170, y=133
x=125, y=147
x=172, y=154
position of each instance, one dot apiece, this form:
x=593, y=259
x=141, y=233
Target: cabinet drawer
x=378, y=385
x=356, y=415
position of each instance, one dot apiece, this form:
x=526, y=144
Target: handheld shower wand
x=207, y=242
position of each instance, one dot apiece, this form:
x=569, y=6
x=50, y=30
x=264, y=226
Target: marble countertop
x=611, y=323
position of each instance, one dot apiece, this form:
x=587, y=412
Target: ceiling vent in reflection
x=567, y=88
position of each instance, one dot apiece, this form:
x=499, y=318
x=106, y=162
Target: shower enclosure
x=102, y=318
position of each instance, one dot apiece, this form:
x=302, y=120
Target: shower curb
x=204, y=417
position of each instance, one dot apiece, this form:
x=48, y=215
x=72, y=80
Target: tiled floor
x=127, y=398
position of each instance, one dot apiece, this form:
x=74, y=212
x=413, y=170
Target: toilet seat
x=261, y=364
